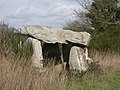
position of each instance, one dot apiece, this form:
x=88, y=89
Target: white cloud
x=42, y=1
x=49, y=12
x=74, y=0
x=63, y=10
x=23, y=12
x=59, y=10
x=85, y=1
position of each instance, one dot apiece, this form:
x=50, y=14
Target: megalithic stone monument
x=78, y=56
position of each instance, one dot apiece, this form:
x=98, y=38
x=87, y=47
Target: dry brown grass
x=109, y=62
x=17, y=73
x=18, y=76
x=105, y=63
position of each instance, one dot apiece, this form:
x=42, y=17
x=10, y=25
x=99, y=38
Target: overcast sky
x=54, y=13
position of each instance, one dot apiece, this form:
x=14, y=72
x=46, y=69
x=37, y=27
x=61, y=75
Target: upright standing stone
x=37, y=56
x=77, y=59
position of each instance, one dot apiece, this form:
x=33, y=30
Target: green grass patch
x=104, y=82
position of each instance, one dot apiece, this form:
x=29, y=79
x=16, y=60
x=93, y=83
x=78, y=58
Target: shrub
x=107, y=41
x=11, y=42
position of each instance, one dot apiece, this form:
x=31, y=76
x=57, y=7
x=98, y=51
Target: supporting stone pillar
x=37, y=56
x=77, y=59
x=90, y=60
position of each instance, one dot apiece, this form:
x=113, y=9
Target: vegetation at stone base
x=105, y=75
x=16, y=75
x=12, y=41
x=16, y=70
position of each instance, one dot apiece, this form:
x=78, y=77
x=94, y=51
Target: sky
x=52, y=13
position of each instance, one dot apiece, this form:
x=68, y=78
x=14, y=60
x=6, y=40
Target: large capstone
x=52, y=35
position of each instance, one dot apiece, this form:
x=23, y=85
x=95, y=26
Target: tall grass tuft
x=109, y=61
x=104, y=63
x=12, y=42
x=20, y=76
x=16, y=71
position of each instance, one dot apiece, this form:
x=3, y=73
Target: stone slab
x=53, y=35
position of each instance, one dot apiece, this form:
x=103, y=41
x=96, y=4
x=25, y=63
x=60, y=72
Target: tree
x=80, y=24
x=103, y=13
x=99, y=15
x=75, y=26
x=103, y=16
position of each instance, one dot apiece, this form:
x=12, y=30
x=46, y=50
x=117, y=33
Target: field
x=17, y=73
x=20, y=75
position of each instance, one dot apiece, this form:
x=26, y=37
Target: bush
x=109, y=40
x=12, y=43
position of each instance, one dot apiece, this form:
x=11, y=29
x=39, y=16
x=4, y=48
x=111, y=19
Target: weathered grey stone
x=37, y=56
x=77, y=41
x=77, y=59
x=90, y=60
x=52, y=35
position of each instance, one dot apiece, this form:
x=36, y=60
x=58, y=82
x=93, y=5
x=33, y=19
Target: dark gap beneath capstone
x=51, y=53
x=75, y=44
x=66, y=51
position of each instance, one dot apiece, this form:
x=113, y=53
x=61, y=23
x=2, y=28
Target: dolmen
x=64, y=45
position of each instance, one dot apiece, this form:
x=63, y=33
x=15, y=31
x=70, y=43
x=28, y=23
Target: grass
x=109, y=62
x=20, y=76
x=109, y=79
x=107, y=82
x=105, y=75
x=10, y=43
x=17, y=73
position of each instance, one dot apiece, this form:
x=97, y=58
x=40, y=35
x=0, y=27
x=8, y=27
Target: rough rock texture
x=37, y=56
x=52, y=35
x=74, y=46
x=77, y=59
x=90, y=60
